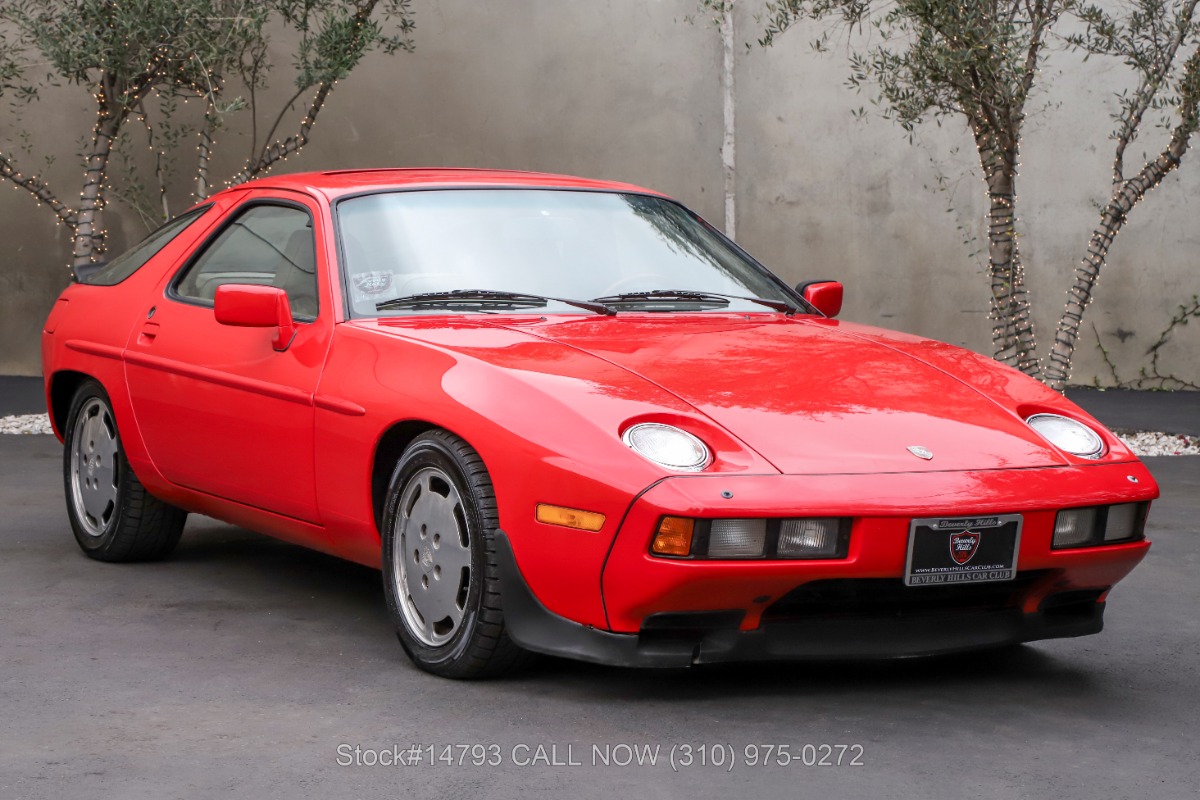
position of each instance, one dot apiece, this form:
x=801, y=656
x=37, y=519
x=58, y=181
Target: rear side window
x=134, y=258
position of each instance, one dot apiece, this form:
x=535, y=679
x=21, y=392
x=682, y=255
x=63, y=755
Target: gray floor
x=242, y=664
x=21, y=395
x=1173, y=412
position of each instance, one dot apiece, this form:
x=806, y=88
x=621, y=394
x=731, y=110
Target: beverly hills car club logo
x=963, y=546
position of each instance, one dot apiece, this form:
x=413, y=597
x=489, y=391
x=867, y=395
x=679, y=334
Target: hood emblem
x=921, y=452
x=963, y=546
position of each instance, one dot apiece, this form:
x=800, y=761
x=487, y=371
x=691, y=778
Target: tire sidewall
x=92, y=544
x=426, y=452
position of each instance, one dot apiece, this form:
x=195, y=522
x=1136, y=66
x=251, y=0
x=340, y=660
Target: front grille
x=889, y=597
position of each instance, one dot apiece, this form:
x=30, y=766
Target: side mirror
x=247, y=306
x=824, y=296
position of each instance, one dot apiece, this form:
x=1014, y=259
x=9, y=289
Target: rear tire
x=112, y=515
x=440, y=574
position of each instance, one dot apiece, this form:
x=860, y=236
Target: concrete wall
x=627, y=89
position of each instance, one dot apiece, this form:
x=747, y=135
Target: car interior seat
x=297, y=274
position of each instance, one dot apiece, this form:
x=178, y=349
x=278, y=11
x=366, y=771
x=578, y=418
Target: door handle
x=148, y=334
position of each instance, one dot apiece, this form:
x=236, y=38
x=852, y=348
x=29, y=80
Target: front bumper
x=665, y=612
x=681, y=639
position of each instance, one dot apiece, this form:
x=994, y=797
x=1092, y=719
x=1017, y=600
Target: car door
x=219, y=409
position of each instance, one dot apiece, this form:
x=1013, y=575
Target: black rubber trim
x=680, y=639
x=534, y=627
x=81, y=273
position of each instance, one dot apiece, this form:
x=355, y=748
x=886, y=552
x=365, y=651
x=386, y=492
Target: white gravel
x=26, y=423
x=1151, y=443
x=1143, y=443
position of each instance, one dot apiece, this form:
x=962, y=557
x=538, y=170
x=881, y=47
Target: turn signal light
x=674, y=537
x=569, y=517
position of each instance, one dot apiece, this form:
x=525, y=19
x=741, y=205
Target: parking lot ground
x=21, y=395
x=244, y=666
x=1172, y=412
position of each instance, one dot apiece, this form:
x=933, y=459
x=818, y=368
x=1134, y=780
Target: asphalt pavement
x=1127, y=409
x=247, y=667
x=21, y=395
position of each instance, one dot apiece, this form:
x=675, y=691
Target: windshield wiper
x=486, y=297
x=687, y=296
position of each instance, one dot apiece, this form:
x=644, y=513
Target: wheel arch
x=391, y=445
x=63, y=386
x=388, y=450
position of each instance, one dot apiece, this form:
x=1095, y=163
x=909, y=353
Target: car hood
x=816, y=396
x=809, y=395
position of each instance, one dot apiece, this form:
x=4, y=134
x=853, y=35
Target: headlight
x=1075, y=527
x=1067, y=434
x=1097, y=525
x=737, y=538
x=820, y=537
x=723, y=539
x=668, y=446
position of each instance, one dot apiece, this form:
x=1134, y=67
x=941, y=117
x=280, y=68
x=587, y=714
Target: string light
x=159, y=69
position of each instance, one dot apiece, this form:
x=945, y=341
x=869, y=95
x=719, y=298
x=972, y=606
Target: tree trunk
x=205, y=151
x=1079, y=296
x=1014, y=340
x=89, y=232
x=1124, y=198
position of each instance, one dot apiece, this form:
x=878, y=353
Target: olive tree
x=979, y=61
x=1160, y=42
x=138, y=58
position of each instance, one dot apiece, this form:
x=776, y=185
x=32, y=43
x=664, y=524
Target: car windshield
x=471, y=250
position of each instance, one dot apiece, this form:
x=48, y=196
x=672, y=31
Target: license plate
x=945, y=550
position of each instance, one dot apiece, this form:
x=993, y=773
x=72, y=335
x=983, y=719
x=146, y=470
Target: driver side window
x=266, y=245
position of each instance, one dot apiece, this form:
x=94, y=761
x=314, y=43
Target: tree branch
x=1041, y=18
x=1148, y=87
x=277, y=151
x=212, y=119
x=159, y=177
x=1124, y=197
x=273, y=151
x=992, y=122
x=205, y=148
x=38, y=188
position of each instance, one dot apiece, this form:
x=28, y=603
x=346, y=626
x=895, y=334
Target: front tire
x=112, y=515
x=440, y=575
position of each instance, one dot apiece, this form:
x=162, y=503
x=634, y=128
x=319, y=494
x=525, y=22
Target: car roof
x=337, y=183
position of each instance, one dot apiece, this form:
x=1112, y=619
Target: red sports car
x=569, y=416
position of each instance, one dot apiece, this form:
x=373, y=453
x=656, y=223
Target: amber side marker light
x=674, y=537
x=569, y=517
